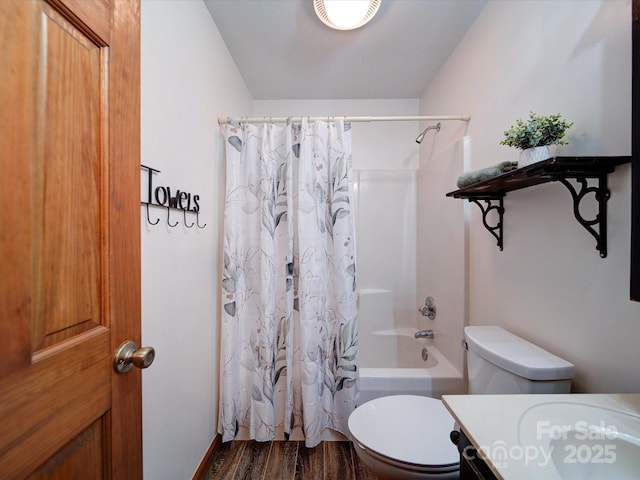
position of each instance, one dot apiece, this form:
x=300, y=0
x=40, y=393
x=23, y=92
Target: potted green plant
x=535, y=135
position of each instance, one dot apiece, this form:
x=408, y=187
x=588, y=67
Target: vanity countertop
x=553, y=436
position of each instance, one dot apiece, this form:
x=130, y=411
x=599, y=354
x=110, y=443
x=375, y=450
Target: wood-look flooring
x=284, y=461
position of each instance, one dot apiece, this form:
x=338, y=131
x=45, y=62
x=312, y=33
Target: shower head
x=420, y=137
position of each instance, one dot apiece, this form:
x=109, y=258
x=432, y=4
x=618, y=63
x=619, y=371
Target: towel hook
x=169, y=219
x=198, y=220
x=184, y=212
x=149, y=219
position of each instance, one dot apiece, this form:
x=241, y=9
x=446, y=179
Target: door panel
x=47, y=410
x=72, y=460
x=68, y=195
x=69, y=98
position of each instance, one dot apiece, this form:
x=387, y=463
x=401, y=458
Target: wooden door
x=69, y=238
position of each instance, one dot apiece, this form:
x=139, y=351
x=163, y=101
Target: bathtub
x=391, y=363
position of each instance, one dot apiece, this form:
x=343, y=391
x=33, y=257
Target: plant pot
x=533, y=155
x=536, y=154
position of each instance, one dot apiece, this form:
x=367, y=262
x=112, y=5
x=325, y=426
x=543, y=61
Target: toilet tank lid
x=516, y=355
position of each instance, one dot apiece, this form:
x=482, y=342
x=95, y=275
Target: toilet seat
x=413, y=432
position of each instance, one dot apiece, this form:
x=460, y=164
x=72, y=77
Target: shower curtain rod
x=464, y=118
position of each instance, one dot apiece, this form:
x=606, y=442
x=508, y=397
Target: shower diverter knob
x=429, y=308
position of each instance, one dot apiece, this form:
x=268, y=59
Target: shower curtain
x=289, y=336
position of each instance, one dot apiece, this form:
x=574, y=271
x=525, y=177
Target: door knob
x=128, y=355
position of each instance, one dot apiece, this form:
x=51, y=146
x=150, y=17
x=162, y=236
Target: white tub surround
x=396, y=348
x=391, y=360
x=552, y=436
x=391, y=363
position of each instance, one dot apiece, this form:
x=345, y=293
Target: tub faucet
x=424, y=334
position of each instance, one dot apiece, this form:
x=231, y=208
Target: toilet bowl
x=407, y=436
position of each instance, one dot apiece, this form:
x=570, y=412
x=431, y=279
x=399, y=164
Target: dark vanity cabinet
x=472, y=466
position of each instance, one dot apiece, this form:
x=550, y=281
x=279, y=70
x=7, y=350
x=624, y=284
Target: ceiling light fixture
x=346, y=14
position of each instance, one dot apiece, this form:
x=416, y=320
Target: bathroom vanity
x=472, y=466
x=550, y=436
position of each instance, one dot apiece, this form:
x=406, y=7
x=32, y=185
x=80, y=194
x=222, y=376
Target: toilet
x=407, y=436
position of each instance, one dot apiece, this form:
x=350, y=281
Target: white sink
x=575, y=440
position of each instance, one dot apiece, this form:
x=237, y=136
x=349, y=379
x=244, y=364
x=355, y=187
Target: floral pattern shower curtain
x=289, y=336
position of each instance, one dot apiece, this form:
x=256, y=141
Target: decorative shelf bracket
x=559, y=169
x=498, y=207
x=598, y=226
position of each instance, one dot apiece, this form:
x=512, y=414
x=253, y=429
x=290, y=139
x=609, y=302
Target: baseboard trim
x=213, y=448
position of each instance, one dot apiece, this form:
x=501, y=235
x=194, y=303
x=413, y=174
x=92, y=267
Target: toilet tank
x=500, y=362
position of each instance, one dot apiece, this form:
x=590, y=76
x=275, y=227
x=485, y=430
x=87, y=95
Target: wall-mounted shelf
x=560, y=169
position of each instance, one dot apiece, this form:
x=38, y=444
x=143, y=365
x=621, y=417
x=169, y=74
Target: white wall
x=549, y=284
x=188, y=80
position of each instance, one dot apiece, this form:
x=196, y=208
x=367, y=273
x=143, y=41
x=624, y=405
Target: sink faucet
x=424, y=334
